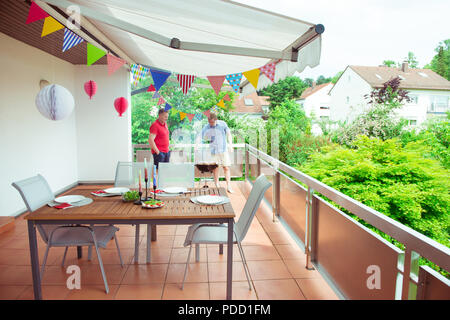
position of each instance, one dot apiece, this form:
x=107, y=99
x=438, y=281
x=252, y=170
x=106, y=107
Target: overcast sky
x=366, y=32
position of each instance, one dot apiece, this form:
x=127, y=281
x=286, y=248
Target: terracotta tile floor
x=276, y=263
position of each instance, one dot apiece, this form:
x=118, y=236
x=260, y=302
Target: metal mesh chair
x=36, y=193
x=175, y=175
x=218, y=234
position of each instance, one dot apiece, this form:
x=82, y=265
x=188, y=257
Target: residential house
x=252, y=105
x=316, y=103
x=429, y=92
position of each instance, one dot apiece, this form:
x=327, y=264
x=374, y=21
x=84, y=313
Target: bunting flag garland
x=167, y=107
x=185, y=82
x=159, y=77
x=139, y=72
x=253, y=77
x=156, y=95
x=221, y=104
x=182, y=115
x=35, y=13
x=269, y=70
x=206, y=113
x=216, y=82
x=114, y=63
x=93, y=54
x=226, y=97
x=234, y=80
x=161, y=101
x=50, y=25
x=71, y=40
x=151, y=88
x=190, y=116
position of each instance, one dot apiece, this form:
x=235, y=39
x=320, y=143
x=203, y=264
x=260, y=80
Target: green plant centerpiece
x=130, y=196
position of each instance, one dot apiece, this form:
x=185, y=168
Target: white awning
x=230, y=37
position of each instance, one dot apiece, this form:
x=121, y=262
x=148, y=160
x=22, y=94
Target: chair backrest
x=35, y=192
x=127, y=174
x=260, y=186
x=175, y=175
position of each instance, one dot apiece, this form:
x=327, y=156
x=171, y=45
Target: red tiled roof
x=309, y=91
x=258, y=102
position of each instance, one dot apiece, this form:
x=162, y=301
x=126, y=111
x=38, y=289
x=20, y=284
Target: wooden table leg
x=153, y=232
x=230, y=258
x=34, y=256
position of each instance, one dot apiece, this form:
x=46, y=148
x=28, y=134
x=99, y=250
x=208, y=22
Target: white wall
x=349, y=85
x=103, y=138
x=29, y=143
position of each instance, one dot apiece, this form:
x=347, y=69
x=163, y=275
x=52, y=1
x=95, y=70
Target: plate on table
x=209, y=199
x=174, y=190
x=153, y=204
x=116, y=190
x=70, y=199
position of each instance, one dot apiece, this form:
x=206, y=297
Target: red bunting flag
x=36, y=13
x=185, y=81
x=226, y=97
x=114, y=63
x=216, y=82
x=206, y=113
x=161, y=101
x=190, y=116
x=269, y=70
x=151, y=88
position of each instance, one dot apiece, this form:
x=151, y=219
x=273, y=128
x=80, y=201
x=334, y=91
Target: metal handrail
x=413, y=240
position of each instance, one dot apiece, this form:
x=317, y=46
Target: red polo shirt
x=162, y=135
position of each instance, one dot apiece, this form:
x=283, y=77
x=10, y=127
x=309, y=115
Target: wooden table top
x=110, y=208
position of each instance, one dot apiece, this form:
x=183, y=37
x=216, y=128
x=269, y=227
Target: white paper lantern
x=55, y=102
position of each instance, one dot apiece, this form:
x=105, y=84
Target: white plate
x=116, y=190
x=69, y=199
x=174, y=190
x=209, y=199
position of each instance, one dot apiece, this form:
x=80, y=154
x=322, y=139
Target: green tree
x=336, y=77
x=321, y=80
x=389, y=63
x=441, y=61
x=286, y=89
x=412, y=60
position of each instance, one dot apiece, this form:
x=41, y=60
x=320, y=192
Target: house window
x=248, y=102
x=349, y=78
x=348, y=99
x=438, y=104
x=324, y=107
x=324, y=117
x=412, y=122
x=414, y=99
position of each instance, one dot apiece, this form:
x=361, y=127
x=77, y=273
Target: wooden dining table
x=178, y=209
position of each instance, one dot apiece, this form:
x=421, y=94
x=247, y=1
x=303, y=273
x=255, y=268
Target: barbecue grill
x=204, y=163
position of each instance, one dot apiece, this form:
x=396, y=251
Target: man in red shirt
x=159, y=138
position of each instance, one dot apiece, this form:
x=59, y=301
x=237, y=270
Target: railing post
x=276, y=195
x=308, y=227
x=410, y=274
x=247, y=162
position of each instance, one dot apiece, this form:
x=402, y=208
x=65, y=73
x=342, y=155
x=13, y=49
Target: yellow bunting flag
x=221, y=104
x=252, y=76
x=50, y=26
x=182, y=115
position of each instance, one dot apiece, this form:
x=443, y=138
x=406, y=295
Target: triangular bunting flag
x=114, y=63
x=253, y=77
x=50, y=25
x=151, y=88
x=221, y=104
x=161, y=101
x=156, y=95
x=185, y=81
x=269, y=70
x=215, y=109
x=234, y=80
x=198, y=116
x=226, y=97
x=139, y=72
x=206, y=113
x=216, y=82
x=36, y=13
x=173, y=111
x=167, y=107
x=190, y=116
x=159, y=77
x=70, y=40
x=93, y=54
x=182, y=115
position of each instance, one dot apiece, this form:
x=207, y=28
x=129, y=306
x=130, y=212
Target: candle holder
x=140, y=198
x=154, y=192
x=146, y=196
